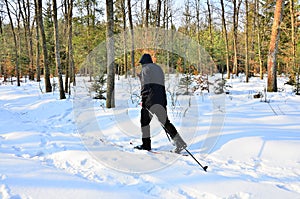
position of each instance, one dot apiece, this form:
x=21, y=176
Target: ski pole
x=166, y=130
x=203, y=167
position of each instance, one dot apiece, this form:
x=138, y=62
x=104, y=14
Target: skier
x=154, y=102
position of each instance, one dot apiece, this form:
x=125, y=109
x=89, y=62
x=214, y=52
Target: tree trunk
x=28, y=34
x=259, y=40
x=70, y=44
x=132, y=37
x=293, y=39
x=273, y=48
x=246, y=43
x=234, y=38
x=124, y=36
x=15, y=43
x=147, y=13
x=226, y=39
x=57, y=51
x=45, y=51
x=66, y=35
x=70, y=70
x=2, y=40
x=166, y=26
x=236, y=8
x=38, y=67
x=210, y=28
x=110, y=101
x=197, y=5
x=158, y=13
x=1, y=22
x=25, y=14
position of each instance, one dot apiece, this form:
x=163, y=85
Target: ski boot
x=145, y=146
x=179, y=144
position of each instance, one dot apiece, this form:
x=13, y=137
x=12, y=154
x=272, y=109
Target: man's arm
x=145, y=80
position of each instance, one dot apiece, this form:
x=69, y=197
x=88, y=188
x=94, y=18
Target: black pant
x=161, y=113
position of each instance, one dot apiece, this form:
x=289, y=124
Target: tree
x=65, y=10
x=38, y=67
x=197, y=9
x=273, y=48
x=44, y=43
x=15, y=44
x=70, y=43
x=236, y=10
x=147, y=13
x=110, y=101
x=70, y=66
x=226, y=39
x=246, y=42
x=210, y=27
x=258, y=21
x=123, y=9
x=158, y=13
x=57, y=51
x=1, y=39
x=292, y=14
x=132, y=36
x=25, y=14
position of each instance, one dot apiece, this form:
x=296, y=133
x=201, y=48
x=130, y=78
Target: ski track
x=44, y=136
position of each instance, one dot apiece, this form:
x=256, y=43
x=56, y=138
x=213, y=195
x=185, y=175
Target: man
x=154, y=102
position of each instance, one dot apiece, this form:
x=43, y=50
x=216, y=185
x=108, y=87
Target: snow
x=51, y=148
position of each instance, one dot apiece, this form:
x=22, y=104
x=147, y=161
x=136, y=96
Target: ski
x=113, y=144
x=166, y=152
x=153, y=151
x=157, y=151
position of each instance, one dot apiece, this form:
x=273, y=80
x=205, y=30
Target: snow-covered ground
x=51, y=148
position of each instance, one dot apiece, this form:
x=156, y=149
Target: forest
x=52, y=38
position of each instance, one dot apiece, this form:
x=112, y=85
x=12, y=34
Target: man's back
x=153, y=83
x=152, y=74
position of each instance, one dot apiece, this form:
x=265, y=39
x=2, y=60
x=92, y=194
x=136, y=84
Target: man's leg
x=162, y=116
x=145, y=121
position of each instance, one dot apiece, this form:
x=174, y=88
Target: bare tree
x=158, y=10
x=236, y=10
x=197, y=6
x=258, y=21
x=132, y=36
x=292, y=14
x=24, y=10
x=1, y=22
x=225, y=38
x=57, y=50
x=70, y=68
x=210, y=27
x=15, y=44
x=70, y=43
x=2, y=68
x=123, y=8
x=38, y=67
x=246, y=42
x=110, y=101
x=66, y=35
x=273, y=48
x=45, y=51
x=147, y=13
